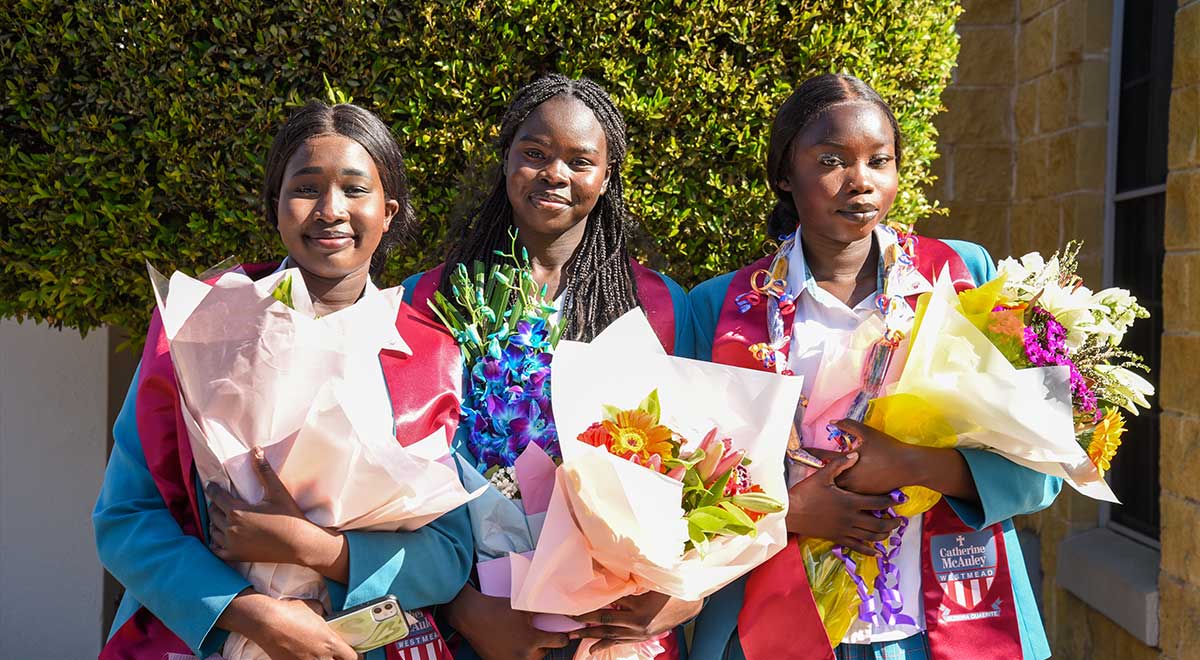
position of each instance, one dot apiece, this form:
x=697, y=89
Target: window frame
x=1111, y=198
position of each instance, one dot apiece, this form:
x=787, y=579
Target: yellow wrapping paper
x=958, y=387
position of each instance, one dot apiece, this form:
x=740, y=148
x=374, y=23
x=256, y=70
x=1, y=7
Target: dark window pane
x=1137, y=266
x=1147, y=48
x=1132, y=152
x=1136, y=33
x=1138, y=457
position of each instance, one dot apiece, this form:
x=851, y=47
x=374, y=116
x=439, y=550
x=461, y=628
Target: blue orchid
x=530, y=334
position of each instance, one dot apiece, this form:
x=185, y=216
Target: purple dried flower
x=1048, y=347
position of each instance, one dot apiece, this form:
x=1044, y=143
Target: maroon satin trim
x=737, y=332
x=655, y=298
x=986, y=638
x=779, y=617
x=932, y=255
x=424, y=289
x=426, y=386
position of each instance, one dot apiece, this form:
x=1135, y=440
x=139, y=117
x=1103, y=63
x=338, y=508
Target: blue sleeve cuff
x=1005, y=490
x=425, y=567
x=214, y=638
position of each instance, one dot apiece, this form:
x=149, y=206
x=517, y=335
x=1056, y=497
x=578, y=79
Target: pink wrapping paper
x=614, y=528
x=254, y=372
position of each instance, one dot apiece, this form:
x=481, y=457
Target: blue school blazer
x=187, y=587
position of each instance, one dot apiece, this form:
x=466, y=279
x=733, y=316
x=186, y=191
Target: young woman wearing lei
x=833, y=163
x=562, y=143
x=336, y=193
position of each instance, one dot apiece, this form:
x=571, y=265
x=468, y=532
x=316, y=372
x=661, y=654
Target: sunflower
x=637, y=433
x=1106, y=438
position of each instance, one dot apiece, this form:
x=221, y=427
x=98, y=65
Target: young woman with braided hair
x=562, y=143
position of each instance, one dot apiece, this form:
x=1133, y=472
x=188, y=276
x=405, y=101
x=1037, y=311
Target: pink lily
x=712, y=456
x=727, y=463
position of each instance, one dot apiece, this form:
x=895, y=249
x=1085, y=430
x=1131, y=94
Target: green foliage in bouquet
x=490, y=305
x=136, y=131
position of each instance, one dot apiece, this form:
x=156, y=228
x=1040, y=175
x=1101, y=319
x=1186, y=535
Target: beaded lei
x=886, y=605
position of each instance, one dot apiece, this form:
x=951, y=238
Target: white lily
x=1119, y=310
x=1074, y=309
x=1131, y=389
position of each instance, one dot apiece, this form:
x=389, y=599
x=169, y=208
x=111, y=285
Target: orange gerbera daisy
x=637, y=433
x=1106, y=438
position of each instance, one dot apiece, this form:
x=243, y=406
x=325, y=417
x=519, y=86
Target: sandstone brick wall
x=1023, y=159
x=1179, y=580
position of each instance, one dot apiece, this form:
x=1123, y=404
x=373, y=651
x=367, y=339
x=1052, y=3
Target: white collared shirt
x=818, y=312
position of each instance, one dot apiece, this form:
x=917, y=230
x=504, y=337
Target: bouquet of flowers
x=650, y=497
x=507, y=333
x=505, y=330
x=255, y=367
x=1066, y=324
x=1035, y=326
x=719, y=498
x=1028, y=365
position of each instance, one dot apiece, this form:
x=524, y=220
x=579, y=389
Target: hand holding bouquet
x=257, y=370
x=640, y=504
x=1029, y=366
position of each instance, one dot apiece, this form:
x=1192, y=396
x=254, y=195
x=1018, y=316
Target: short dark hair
x=810, y=100
x=600, y=285
x=365, y=128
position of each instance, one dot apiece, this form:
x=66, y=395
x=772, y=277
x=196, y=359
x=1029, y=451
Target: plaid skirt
x=909, y=648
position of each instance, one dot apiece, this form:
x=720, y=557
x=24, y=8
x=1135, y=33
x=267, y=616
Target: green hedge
x=136, y=130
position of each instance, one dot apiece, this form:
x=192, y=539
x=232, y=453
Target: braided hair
x=600, y=286
x=810, y=100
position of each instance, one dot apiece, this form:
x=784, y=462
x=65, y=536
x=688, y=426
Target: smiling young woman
x=562, y=143
x=833, y=164
x=559, y=186
x=335, y=192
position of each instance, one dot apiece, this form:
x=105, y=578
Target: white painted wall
x=53, y=431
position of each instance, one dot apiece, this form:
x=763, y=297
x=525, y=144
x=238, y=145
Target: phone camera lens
x=378, y=610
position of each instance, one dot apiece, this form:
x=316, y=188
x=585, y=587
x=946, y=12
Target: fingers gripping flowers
x=719, y=498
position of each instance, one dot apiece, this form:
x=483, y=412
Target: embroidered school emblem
x=424, y=642
x=965, y=565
